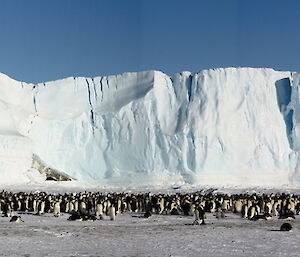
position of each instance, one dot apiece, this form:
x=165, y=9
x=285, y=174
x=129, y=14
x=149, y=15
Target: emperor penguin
x=161, y=205
x=275, y=208
x=199, y=216
x=192, y=209
x=251, y=212
x=41, y=208
x=297, y=208
x=268, y=207
x=287, y=216
x=71, y=206
x=244, y=211
x=265, y=216
x=105, y=206
x=16, y=219
x=2, y=203
x=238, y=206
x=34, y=205
x=99, y=211
x=286, y=227
x=10, y=212
x=82, y=207
x=26, y=201
x=112, y=212
x=76, y=205
x=56, y=208
x=119, y=205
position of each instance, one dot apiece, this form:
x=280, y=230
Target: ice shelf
x=238, y=126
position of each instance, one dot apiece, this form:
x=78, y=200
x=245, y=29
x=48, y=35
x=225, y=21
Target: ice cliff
x=237, y=126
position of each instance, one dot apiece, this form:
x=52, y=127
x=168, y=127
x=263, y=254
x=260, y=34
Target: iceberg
x=233, y=126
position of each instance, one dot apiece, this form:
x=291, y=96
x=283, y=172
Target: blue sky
x=47, y=40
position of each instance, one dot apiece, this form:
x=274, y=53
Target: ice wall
x=236, y=126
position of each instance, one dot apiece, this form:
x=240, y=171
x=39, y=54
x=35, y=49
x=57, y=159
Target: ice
x=227, y=126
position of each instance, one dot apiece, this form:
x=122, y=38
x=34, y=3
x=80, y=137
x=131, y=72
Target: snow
x=229, y=126
x=160, y=235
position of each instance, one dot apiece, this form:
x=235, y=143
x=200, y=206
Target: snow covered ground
x=38, y=184
x=160, y=235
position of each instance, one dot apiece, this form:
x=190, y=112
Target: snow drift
x=237, y=126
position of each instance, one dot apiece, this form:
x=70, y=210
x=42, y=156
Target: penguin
x=251, y=212
x=244, y=211
x=82, y=207
x=161, y=204
x=112, y=212
x=147, y=214
x=297, y=208
x=71, y=206
x=1, y=205
x=174, y=209
x=76, y=205
x=275, y=208
x=41, y=208
x=286, y=227
x=192, y=209
x=56, y=208
x=265, y=216
x=48, y=204
x=89, y=217
x=99, y=211
x=119, y=206
x=27, y=203
x=9, y=210
x=218, y=209
x=140, y=203
x=268, y=208
x=105, y=208
x=287, y=216
x=186, y=207
x=238, y=205
x=34, y=205
x=75, y=217
x=199, y=216
x=225, y=204
x=16, y=219
x=64, y=205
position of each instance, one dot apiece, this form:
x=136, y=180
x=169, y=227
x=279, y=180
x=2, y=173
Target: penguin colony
x=93, y=206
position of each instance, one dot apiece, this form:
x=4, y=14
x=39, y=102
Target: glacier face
x=234, y=126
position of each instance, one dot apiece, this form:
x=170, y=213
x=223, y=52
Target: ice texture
x=225, y=126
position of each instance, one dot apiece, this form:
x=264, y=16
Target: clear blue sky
x=45, y=40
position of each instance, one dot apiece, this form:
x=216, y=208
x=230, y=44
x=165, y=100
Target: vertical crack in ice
x=191, y=154
x=189, y=86
x=35, y=91
x=89, y=92
x=94, y=87
x=101, y=88
x=284, y=94
x=107, y=126
x=116, y=83
x=221, y=144
x=91, y=105
x=107, y=82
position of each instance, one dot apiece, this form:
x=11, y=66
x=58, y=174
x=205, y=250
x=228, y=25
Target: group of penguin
x=93, y=206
